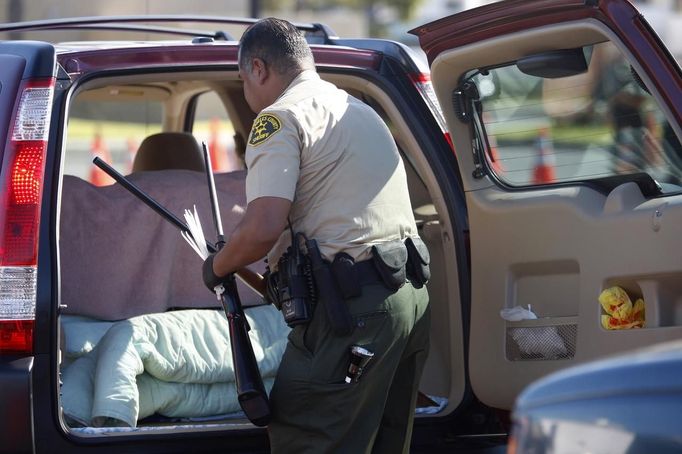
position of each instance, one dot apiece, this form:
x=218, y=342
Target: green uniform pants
x=314, y=411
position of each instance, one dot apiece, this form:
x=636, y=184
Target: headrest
x=169, y=150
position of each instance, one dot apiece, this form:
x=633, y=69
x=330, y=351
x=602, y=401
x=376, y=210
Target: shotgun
x=251, y=393
x=250, y=390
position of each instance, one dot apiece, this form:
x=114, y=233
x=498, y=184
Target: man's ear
x=260, y=70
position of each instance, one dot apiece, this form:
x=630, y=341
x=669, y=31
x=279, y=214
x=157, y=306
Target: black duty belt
x=367, y=272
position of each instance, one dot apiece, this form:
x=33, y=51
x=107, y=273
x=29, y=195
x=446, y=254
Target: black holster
x=337, y=311
x=346, y=275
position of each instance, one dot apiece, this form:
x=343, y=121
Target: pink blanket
x=120, y=259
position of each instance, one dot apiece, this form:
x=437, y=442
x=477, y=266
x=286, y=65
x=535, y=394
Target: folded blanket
x=81, y=334
x=176, y=364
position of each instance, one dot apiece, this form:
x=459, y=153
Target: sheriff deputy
x=326, y=163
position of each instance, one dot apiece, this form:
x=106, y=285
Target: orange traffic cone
x=99, y=148
x=495, y=162
x=493, y=155
x=131, y=145
x=217, y=156
x=543, y=172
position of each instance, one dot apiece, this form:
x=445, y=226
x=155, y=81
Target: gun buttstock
x=250, y=390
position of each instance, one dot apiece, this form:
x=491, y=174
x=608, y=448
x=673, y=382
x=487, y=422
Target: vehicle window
x=110, y=129
x=600, y=123
x=212, y=125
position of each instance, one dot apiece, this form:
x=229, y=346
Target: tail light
x=21, y=188
x=422, y=82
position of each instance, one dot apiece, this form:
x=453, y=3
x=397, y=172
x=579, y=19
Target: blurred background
x=349, y=18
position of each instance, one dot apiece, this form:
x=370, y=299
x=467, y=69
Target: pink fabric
x=120, y=259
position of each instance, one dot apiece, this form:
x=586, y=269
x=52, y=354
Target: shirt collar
x=303, y=76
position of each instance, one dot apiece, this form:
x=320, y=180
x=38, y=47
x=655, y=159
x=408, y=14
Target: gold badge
x=264, y=127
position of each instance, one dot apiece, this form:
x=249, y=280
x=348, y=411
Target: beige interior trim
x=557, y=251
x=126, y=93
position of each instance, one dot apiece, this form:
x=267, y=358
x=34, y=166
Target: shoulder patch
x=264, y=127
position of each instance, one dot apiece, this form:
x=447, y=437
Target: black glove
x=210, y=278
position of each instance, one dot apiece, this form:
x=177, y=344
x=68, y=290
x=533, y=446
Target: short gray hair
x=278, y=43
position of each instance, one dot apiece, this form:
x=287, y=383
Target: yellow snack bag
x=620, y=312
x=638, y=311
x=606, y=321
x=616, y=302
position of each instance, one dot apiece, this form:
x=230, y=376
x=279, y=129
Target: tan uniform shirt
x=334, y=158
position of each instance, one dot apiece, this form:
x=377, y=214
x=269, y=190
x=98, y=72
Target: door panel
x=557, y=251
x=560, y=187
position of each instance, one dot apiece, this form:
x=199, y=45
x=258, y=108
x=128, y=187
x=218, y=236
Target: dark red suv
x=553, y=173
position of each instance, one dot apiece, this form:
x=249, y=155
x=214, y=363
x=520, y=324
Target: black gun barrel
x=144, y=197
x=251, y=393
x=214, y=197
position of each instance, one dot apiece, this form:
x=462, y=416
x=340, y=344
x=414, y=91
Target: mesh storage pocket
x=542, y=339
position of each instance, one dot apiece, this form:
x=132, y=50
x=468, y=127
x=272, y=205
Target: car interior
x=109, y=242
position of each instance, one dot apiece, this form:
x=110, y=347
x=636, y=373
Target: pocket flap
x=393, y=254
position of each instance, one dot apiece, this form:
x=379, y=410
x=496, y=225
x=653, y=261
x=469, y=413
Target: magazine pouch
x=390, y=260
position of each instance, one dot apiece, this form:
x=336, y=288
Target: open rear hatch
x=565, y=119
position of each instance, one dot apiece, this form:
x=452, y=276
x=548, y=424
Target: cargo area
x=143, y=344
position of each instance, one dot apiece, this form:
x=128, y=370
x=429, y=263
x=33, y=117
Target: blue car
x=628, y=404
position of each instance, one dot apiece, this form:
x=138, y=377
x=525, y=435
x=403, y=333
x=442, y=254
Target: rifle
x=250, y=390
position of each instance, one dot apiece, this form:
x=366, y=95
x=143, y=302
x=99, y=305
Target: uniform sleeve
x=273, y=154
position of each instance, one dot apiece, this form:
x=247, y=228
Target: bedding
x=176, y=364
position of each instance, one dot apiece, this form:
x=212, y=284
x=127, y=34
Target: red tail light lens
x=21, y=180
x=16, y=336
x=422, y=83
x=18, y=241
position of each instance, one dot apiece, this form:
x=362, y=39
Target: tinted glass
x=213, y=125
x=600, y=123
